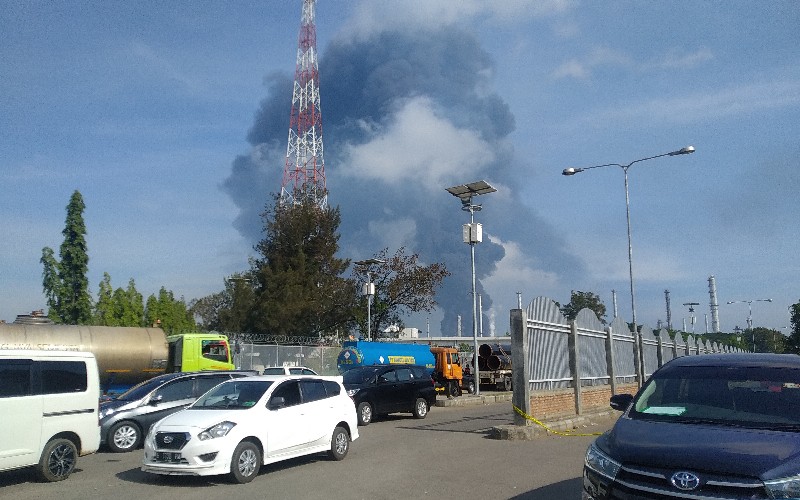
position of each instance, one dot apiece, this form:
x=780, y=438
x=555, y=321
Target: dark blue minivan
x=704, y=427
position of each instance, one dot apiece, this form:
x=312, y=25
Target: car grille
x=171, y=440
x=646, y=484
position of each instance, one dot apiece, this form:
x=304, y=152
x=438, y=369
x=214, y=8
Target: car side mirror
x=277, y=403
x=621, y=402
x=154, y=401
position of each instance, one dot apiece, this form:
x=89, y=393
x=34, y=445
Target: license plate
x=168, y=456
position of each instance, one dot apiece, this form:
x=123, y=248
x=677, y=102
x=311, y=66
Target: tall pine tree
x=65, y=283
x=298, y=287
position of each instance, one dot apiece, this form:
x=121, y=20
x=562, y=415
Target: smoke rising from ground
x=406, y=115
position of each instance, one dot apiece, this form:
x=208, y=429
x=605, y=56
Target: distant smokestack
x=712, y=292
x=669, y=310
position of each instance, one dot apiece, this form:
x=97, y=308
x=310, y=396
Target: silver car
x=125, y=420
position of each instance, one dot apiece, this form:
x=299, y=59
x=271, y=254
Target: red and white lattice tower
x=304, y=173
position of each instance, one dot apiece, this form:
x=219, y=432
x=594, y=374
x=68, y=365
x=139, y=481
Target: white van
x=49, y=406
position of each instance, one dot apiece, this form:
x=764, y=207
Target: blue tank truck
x=443, y=363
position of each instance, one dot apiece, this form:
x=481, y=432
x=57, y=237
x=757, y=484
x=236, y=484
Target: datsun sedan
x=243, y=424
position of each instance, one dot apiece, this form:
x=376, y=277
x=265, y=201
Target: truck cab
x=191, y=352
x=448, y=375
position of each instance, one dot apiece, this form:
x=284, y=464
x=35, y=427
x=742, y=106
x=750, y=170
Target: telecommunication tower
x=304, y=173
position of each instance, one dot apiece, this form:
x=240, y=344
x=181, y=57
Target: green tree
x=583, y=300
x=64, y=282
x=208, y=310
x=766, y=339
x=104, y=308
x=120, y=307
x=298, y=288
x=228, y=310
x=169, y=313
x=129, y=305
x=402, y=286
x=793, y=341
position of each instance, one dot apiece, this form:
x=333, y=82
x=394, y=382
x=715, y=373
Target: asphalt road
x=447, y=455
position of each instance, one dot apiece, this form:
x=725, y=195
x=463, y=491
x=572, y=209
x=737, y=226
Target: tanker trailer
x=363, y=353
x=125, y=355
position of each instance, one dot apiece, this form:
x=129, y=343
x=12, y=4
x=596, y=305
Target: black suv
x=125, y=420
x=381, y=389
x=705, y=427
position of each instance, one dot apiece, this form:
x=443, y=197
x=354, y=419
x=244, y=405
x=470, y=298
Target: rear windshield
x=360, y=376
x=142, y=389
x=274, y=371
x=762, y=397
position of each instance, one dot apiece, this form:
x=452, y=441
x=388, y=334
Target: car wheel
x=471, y=387
x=58, y=460
x=124, y=437
x=420, y=408
x=245, y=463
x=364, y=413
x=340, y=443
x=507, y=383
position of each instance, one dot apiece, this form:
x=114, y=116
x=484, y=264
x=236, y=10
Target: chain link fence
x=321, y=359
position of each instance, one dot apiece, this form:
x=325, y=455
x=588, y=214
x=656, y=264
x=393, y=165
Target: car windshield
x=359, y=376
x=760, y=397
x=233, y=394
x=142, y=389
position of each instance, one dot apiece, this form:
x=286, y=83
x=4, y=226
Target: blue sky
x=171, y=119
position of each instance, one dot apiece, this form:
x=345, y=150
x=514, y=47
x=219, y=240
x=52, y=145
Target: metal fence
x=561, y=352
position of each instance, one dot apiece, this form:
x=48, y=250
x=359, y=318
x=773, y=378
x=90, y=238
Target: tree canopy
x=583, y=300
x=793, y=342
x=402, y=285
x=298, y=287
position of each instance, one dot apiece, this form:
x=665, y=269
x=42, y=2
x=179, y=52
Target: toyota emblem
x=685, y=481
x=168, y=440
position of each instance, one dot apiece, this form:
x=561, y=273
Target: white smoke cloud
x=418, y=147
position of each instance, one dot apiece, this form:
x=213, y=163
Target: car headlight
x=786, y=487
x=352, y=392
x=220, y=430
x=106, y=412
x=601, y=463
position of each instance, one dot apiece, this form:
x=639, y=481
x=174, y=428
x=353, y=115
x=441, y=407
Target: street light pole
x=369, y=291
x=472, y=235
x=750, y=315
x=575, y=170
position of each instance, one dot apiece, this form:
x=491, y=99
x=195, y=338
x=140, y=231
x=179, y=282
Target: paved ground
x=448, y=455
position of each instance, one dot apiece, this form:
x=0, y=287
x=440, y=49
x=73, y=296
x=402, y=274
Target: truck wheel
x=364, y=411
x=453, y=389
x=58, y=460
x=420, y=408
x=340, y=443
x=470, y=387
x=124, y=437
x=507, y=383
x=245, y=463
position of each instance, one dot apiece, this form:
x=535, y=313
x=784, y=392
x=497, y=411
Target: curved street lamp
x=575, y=170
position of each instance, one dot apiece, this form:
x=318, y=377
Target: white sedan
x=244, y=423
